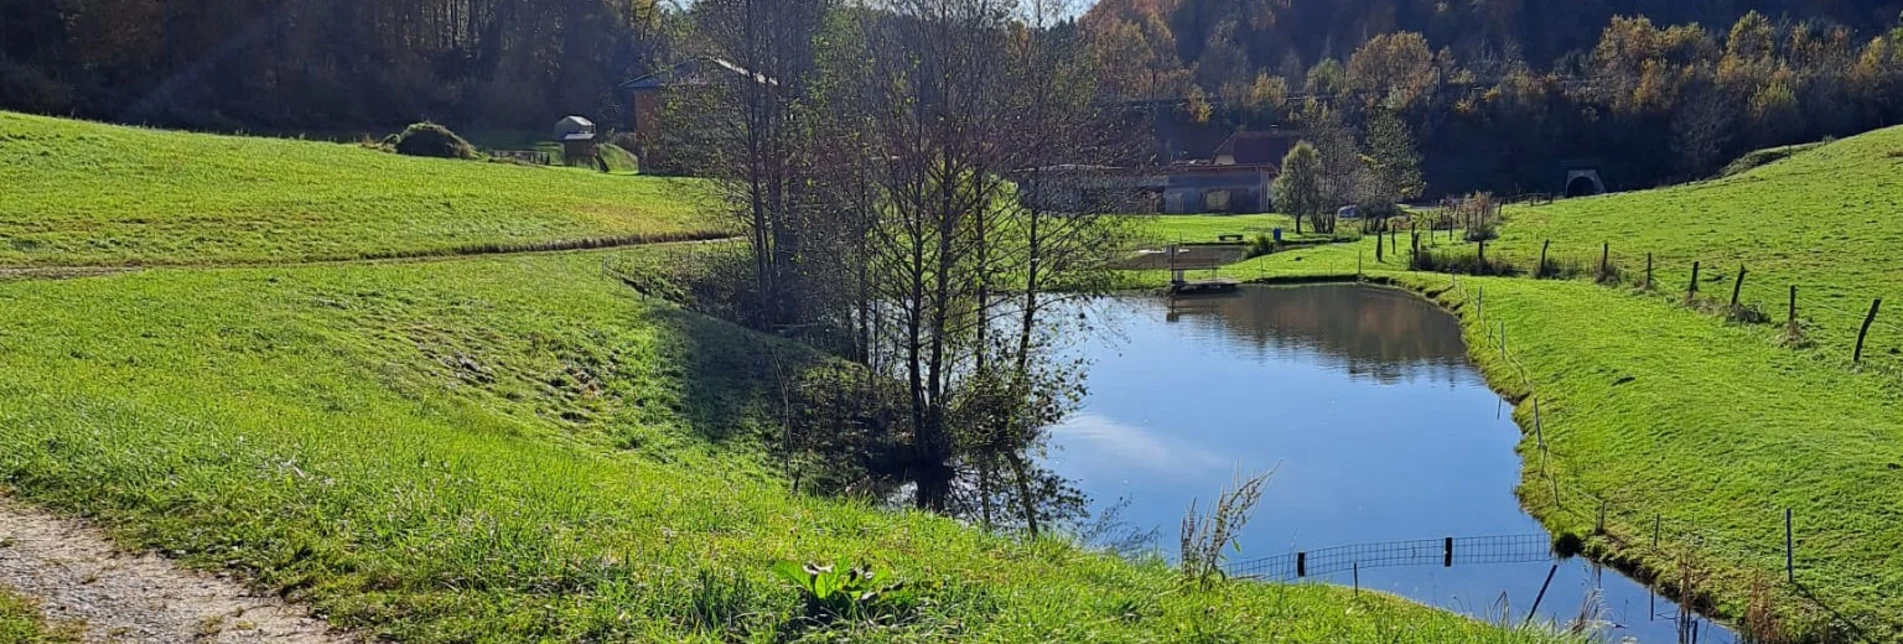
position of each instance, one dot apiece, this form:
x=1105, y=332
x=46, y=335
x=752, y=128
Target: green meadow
x=1826, y=220
x=86, y=194
x=524, y=449
x=505, y=448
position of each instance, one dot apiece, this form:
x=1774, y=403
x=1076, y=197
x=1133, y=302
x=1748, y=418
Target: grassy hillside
x=80, y=193
x=523, y=449
x=1828, y=220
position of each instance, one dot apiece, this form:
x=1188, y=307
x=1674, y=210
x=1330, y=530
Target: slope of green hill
x=523, y=448
x=79, y=193
x=1828, y=220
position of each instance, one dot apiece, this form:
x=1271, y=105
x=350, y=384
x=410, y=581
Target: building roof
x=575, y=128
x=694, y=71
x=1256, y=147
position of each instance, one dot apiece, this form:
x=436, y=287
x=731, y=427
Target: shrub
x=1260, y=246
x=428, y=139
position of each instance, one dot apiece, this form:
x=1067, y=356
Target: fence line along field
x=1825, y=220
x=87, y=194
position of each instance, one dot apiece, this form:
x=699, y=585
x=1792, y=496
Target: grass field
x=523, y=449
x=1828, y=220
x=80, y=193
x=1684, y=424
x=483, y=449
x=21, y=623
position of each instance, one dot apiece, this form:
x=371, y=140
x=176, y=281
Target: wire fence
x=1644, y=533
x=1446, y=552
x=1861, y=327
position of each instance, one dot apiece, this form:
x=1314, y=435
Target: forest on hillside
x=1494, y=95
x=323, y=66
x=1502, y=94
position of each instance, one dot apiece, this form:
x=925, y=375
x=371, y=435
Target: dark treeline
x=322, y=65
x=1501, y=94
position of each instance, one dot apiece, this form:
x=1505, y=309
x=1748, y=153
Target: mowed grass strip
x=1828, y=220
x=522, y=449
x=75, y=193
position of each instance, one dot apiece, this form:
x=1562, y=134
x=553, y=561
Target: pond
x=1379, y=429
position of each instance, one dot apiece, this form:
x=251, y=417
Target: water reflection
x=1363, y=401
x=1381, y=334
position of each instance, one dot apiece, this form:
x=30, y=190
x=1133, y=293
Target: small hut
x=577, y=135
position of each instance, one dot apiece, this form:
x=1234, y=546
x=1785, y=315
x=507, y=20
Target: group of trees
x=882, y=158
x=324, y=65
x=1498, y=93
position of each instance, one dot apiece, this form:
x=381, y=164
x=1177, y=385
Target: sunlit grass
x=78, y=193
x=524, y=449
x=1828, y=220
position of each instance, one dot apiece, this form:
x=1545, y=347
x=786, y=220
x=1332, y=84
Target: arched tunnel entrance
x=1584, y=183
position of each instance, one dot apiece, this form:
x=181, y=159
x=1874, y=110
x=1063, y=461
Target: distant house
x=1236, y=180
x=577, y=135
x=646, y=116
x=1258, y=147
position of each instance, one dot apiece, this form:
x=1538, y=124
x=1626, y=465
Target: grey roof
x=575, y=128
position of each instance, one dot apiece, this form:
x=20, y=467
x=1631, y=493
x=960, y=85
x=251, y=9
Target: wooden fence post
x=1301, y=564
x=1793, y=317
x=1540, y=271
x=1447, y=553
x=1605, y=261
x=1648, y=271
x=1738, y=287
x=1867, y=321
x=1790, y=555
x=1691, y=292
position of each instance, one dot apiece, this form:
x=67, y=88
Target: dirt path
x=136, y=599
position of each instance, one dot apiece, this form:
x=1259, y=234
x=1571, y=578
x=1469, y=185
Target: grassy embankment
x=22, y=623
x=1828, y=220
x=1208, y=229
x=1702, y=430
x=520, y=448
x=86, y=194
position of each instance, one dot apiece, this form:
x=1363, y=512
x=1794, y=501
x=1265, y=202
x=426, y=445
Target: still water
x=1363, y=402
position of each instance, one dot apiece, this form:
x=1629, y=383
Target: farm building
x=577, y=135
x=1236, y=180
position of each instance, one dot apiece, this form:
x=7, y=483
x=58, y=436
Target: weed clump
x=1568, y=545
x=428, y=139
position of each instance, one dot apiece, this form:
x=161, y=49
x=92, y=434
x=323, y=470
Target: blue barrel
x=1278, y=235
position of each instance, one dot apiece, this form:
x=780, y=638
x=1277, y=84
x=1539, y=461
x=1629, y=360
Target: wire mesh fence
x=1445, y=552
